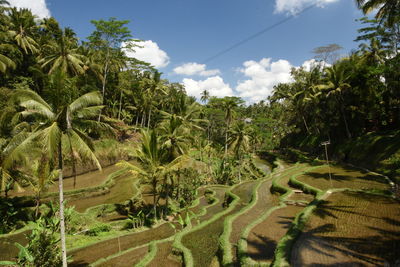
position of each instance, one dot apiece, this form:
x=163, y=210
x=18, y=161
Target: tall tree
x=335, y=86
x=23, y=29
x=388, y=10
x=62, y=126
x=108, y=38
x=62, y=54
x=205, y=95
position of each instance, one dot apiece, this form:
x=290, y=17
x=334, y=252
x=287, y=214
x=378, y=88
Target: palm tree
x=41, y=178
x=335, y=85
x=62, y=126
x=22, y=29
x=387, y=9
x=175, y=137
x=239, y=141
x=205, y=95
x=62, y=54
x=228, y=105
x=153, y=86
x=154, y=163
x=151, y=156
x=5, y=62
x=11, y=154
x=372, y=53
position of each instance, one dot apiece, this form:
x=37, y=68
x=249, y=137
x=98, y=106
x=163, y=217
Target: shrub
x=97, y=229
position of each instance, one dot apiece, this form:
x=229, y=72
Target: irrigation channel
x=296, y=215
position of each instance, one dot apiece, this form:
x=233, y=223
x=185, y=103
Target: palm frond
x=22, y=95
x=80, y=143
x=89, y=99
x=34, y=107
x=50, y=138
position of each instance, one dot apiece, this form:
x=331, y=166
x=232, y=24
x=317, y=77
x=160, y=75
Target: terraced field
x=248, y=223
x=127, y=243
x=203, y=242
x=7, y=248
x=343, y=177
x=351, y=229
x=260, y=239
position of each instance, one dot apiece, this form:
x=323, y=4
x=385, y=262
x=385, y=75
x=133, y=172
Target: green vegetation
x=189, y=178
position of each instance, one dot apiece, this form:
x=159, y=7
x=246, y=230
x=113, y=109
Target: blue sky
x=181, y=34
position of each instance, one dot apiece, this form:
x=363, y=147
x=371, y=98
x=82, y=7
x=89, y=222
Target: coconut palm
x=387, y=9
x=22, y=29
x=154, y=165
x=175, y=137
x=62, y=126
x=239, y=142
x=372, y=53
x=335, y=86
x=41, y=177
x=228, y=105
x=62, y=54
x=205, y=95
x=151, y=157
x=11, y=154
x=5, y=62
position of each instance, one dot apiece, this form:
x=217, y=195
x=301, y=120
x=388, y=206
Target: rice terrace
x=200, y=133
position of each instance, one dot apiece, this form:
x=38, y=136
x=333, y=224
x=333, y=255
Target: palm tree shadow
x=368, y=249
x=265, y=248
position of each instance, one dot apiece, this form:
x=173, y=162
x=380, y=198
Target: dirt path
x=351, y=229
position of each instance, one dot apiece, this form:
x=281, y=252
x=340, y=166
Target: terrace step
x=350, y=229
x=264, y=201
x=133, y=254
x=203, y=240
x=107, y=248
x=260, y=237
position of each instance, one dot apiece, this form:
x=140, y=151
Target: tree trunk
x=37, y=206
x=61, y=194
x=148, y=121
x=143, y=117
x=226, y=142
x=104, y=81
x=345, y=122
x=305, y=124
x=120, y=105
x=155, y=198
x=137, y=121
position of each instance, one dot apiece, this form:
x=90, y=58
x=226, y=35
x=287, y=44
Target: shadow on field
x=327, y=209
x=365, y=249
x=325, y=176
x=265, y=248
x=286, y=221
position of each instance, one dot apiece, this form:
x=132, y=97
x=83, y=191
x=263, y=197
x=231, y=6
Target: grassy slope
x=378, y=152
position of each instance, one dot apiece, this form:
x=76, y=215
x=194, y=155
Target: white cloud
x=263, y=76
x=214, y=85
x=294, y=6
x=151, y=53
x=38, y=7
x=308, y=65
x=193, y=68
